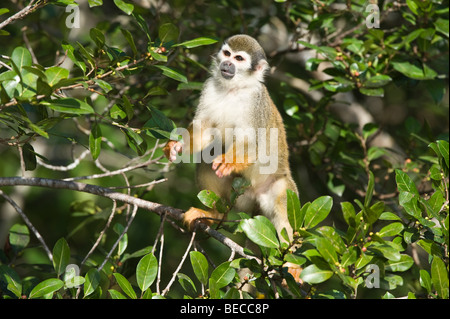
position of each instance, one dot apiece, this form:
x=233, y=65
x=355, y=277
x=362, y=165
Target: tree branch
x=171, y=212
x=22, y=13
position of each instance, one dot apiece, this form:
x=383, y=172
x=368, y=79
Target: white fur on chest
x=226, y=108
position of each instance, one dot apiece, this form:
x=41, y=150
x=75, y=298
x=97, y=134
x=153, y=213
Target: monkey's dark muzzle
x=227, y=69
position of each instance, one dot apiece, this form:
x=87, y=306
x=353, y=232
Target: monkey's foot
x=295, y=270
x=195, y=214
x=172, y=149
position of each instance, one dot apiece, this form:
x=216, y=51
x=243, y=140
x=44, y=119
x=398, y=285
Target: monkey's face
x=232, y=63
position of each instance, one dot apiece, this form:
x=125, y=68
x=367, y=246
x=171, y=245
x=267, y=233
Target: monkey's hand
x=196, y=214
x=172, y=149
x=223, y=168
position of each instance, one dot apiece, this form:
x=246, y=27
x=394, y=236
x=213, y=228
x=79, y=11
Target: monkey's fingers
x=172, y=149
x=224, y=170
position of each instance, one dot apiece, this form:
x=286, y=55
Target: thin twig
x=116, y=172
x=166, y=290
x=69, y=167
x=28, y=222
x=125, y=230
x=161, y=249
x=108, y=223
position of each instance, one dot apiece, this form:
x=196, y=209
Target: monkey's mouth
x=226, y=74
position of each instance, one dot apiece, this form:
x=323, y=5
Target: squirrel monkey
x=236, y=111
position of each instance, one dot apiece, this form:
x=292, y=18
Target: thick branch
x=173, y=213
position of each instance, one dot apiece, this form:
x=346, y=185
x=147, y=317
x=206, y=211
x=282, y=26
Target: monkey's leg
x=272, y=199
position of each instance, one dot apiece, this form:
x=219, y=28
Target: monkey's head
x=241, y=58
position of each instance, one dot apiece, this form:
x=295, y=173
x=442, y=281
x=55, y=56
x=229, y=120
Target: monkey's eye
x=239, y=58
x=226, y=53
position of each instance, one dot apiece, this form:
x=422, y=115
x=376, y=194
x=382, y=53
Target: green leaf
x=208, y=198
x=443, y=149
x=92, y=280
x=187, y=283
x=95, y=3
x=95, y=140
x=69, y=105
x=260, y=231
x=442, y=26
x=55, y=74
x=404, y=182
x=196, y=42
x=98, y=37
x=318, y=211
x=125, y=7
x=3, y=11
x=46, y=287
x=349, y=214
x=168, y=32
x=414, y=72
x=391, y=230
x=157, y=56
x=125, y=285
x=171, y=73
x=21, y=57
x=439, y=277
x=315, y=275
x=123, y=243
x=327, y=251
x=200, y=266
x=349, y=257
x=425, y=280
x=11, y=280
x=372, y=91
x=146, y=271
x=295, y=259
x=377, y=81
x=430, y=247
x=105, y=86
x=116, y=295
x=403, y=264
x=135, y=141
x=293, y=210
x=386, y=250
x=74, y=57
x=223, y=274
x=334, y=237
x=130, y=40
x=61, y=256
x=117, y=113
x=19, y=237
x=71, y=279
x=369, y=191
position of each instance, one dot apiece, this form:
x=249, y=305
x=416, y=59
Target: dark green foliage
x=96, y=103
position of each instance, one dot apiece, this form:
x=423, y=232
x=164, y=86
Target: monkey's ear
x=261, y=68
